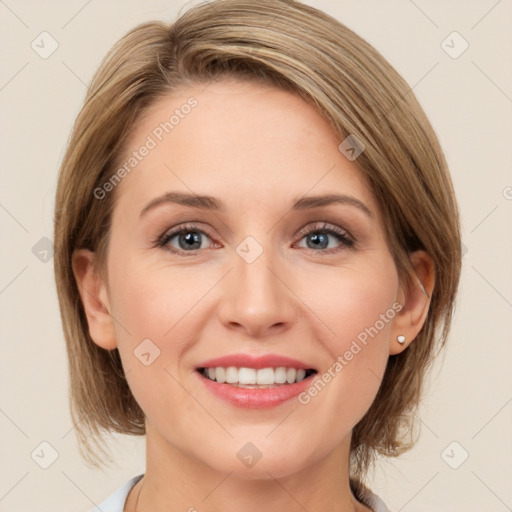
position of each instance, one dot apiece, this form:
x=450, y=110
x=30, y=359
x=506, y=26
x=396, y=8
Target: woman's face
x=263, y=268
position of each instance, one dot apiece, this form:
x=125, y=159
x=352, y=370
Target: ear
x=93, y=293
x=415, y=299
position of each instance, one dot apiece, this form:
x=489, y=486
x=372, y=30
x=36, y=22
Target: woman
x=257, y=253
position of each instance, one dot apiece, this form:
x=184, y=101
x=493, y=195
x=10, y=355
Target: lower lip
x=256, y=398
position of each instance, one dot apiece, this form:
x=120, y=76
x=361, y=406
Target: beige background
x=469, y=101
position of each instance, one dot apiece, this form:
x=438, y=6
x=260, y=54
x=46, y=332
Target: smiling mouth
x=243, y=377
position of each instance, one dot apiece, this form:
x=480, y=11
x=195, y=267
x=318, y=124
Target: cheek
x=356, y=310
x=153, y=315
x=162, y=305
x=354, y=303
x=154, y=303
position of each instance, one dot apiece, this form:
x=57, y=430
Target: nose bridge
x=256, y=298
x=253, y=262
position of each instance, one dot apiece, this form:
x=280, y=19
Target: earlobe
x=415, y=299
x=94, y=298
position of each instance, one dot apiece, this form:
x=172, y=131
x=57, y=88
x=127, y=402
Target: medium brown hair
x=303, y=50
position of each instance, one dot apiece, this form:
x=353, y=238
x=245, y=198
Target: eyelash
x=341, y=235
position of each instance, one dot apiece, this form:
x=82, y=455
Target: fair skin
x=257, y=149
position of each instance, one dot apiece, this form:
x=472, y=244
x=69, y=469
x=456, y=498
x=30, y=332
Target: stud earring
x=401, y=339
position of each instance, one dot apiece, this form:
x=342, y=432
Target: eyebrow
x=205, y=202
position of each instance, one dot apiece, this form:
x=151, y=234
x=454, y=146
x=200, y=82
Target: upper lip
x=257, y=362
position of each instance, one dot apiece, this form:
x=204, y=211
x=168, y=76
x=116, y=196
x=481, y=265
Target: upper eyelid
x=323, y=226
x=188, y=226
x=192, y=226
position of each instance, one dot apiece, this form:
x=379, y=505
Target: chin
x=253, y=463
x=261, y=471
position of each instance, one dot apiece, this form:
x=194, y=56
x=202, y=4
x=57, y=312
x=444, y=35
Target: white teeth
x=252, y=377
x=247, y=376
x=265, y=376
x=280, y=377
x=291, y=373
x=231, y=375
x=219, y=374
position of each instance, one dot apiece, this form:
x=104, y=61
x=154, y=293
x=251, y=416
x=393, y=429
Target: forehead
x=235, y=139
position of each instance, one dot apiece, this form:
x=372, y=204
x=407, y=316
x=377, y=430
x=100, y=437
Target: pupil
x=317, y=240
x=190, y=238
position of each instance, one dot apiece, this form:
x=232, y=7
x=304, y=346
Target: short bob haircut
x=302, y=50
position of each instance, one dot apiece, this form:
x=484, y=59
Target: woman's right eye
x=183, y=239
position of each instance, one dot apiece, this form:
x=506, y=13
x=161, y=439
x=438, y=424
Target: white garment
x=116, y=501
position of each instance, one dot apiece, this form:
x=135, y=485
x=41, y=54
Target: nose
x=256, y=299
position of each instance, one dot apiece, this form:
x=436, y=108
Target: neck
x=175, y=480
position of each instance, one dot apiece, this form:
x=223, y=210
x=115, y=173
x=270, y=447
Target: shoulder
x=115, y=502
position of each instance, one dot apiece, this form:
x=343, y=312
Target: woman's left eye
x=318, y=237
x=189, y=239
